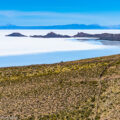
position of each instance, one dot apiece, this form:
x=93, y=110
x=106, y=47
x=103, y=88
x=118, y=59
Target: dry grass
x=64, y=91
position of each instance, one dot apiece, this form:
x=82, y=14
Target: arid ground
x=81, y=90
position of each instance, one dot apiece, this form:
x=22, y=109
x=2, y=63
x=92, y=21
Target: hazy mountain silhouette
x=69, y=26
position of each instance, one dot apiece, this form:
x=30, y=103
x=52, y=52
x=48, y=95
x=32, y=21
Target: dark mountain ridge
x=16, y=35
x=51, y=35
x=103, y=36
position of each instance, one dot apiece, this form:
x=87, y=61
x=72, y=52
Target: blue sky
x=53, y=12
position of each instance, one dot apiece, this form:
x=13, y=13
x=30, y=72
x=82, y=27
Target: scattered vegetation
x=79, y=90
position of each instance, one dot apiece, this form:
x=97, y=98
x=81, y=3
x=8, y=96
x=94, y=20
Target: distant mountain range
x=69, y=26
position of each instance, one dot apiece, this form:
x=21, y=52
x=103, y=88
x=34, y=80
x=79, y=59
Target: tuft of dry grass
x=64, y=91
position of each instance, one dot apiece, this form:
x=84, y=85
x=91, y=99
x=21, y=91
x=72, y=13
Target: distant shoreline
x=103, y=36
x=62, y=62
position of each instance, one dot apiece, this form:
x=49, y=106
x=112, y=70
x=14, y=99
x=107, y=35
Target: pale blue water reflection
x=55, y=57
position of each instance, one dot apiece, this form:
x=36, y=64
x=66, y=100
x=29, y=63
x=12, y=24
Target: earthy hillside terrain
x=80, y=90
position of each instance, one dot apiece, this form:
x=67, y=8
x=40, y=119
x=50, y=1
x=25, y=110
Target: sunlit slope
x=80, y=90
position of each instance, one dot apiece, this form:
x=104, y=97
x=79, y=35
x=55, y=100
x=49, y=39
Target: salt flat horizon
x=61, y=31
x=10, y=46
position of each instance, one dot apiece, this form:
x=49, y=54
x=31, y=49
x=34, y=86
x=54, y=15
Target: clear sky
x=53, y=12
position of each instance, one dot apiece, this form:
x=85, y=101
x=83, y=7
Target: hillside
x=79, y=90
